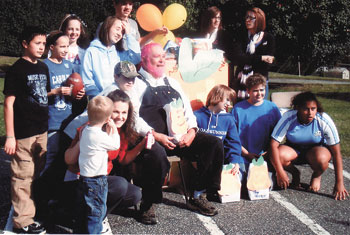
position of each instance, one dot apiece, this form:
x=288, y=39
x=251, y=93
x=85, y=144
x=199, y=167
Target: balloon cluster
x=150, y=18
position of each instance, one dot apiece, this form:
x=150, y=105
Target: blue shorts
x=302, y=150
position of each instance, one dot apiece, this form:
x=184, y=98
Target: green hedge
x=317, y=32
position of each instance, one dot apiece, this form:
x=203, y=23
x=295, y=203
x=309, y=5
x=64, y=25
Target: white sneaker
x=106, y=228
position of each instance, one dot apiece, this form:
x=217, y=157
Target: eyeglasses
x=217, y=17
x=251, y=18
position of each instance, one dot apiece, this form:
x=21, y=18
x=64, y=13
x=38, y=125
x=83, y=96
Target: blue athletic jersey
x=321, y=130
x=60, y=107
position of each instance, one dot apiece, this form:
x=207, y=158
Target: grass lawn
x=334, y=98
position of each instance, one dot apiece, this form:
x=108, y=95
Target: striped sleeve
x=282, y=126
x=328, y=128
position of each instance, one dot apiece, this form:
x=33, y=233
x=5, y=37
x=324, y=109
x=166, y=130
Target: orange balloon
x=149, y=17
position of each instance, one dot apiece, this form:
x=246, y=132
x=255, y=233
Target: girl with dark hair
x=105, y=52
x=253, y=52
x=311, y=137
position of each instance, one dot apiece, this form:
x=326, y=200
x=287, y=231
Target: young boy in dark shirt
x=26, y=121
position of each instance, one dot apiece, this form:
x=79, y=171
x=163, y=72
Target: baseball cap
x=126, y=69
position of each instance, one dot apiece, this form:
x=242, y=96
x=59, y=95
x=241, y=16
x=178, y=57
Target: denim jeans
x=94, y=192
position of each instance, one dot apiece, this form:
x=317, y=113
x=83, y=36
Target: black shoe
x=34, y=228
x=214, y=197
x=147, y=214
x=202, y=205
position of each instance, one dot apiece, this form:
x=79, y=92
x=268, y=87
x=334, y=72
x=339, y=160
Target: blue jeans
x=94, y=192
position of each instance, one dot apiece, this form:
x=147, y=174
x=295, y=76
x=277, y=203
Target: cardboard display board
x=197, y=91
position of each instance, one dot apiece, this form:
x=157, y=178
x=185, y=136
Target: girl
x=105, y=52
x=121, y=194
x=60, y=106
x=214, y=119
x=253, y=52
x=311, y=137
x=74, y=28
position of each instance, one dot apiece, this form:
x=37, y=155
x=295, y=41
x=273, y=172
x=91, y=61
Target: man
x=156, y=91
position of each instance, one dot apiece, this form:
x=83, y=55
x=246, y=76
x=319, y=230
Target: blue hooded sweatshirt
x=99, y=62
x=221, y=125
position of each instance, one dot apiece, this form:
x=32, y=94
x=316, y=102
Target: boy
x=255, y=119
x=26, y=122
x=93, y=161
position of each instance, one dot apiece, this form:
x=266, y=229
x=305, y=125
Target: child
x=105, y=52
x=93, y=161
x=74, y=28
x=26, y=120
x=213, y=119
x=255, y=119
x=60, y=106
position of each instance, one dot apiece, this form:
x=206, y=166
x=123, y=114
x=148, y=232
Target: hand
x=10, y=146
x=111, y=127
x=268, y=59
x=251, y=156
x=186, y=139
x=235, y=170
x=80, y=94
x=164, y=30
x=126, y=27
x=282, y=179
x=65, y=90
x=339, y=192
x=164, y=140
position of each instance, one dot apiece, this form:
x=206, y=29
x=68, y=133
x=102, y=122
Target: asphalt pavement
x=286, y=212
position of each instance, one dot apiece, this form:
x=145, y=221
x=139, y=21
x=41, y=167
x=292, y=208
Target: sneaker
x=106, y=228
x=214, y=197
x=202, y=205
x=34, y=228
x=147, y=214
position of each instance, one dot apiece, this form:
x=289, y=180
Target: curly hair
x=301, y=99
x=129, y=126
x=255, y=79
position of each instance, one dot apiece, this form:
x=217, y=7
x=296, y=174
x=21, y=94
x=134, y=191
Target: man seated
x=156, y=91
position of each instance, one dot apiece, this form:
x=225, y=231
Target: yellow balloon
x=149, y=17
x=163, y=39
x=174, y=16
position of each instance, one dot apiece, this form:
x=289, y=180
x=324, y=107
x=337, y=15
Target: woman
x=253, y=52
x=121, y=194
x=211, y=28
x=311, y=137
x=105, y=52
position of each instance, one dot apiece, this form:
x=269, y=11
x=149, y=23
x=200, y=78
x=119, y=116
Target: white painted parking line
x=345, y=173
x=316, y=228
x=210, y=225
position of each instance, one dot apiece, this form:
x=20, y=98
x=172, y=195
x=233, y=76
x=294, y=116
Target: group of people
x=67, y=157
